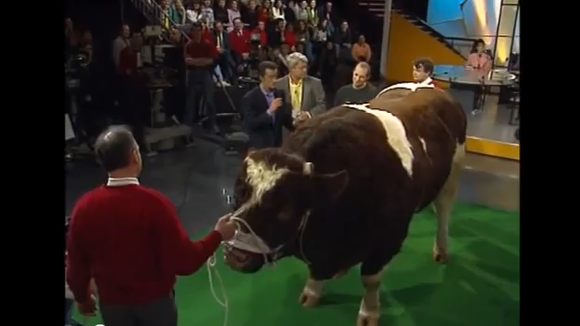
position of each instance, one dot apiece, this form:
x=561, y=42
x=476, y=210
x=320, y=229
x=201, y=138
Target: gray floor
x=492, y=122
x=205, y=171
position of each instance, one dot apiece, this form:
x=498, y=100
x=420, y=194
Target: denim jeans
x=199, y=85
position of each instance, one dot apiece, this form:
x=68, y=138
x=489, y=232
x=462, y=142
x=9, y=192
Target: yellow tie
x=296, y=100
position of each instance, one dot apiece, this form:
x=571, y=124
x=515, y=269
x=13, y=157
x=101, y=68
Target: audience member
x=328, y=13
x=121, y=42
x=266, y=111
x=177, y=12
x=290, y=36
x=135, y=273
x=199, y=57
x=225, y=62
x=301, y=10
x=361, y=50
x=250, y=14
x=290, y=12
x=422, y=71
x=193, y=12
x=233, y=13
x=303, y=37
x=165, y=15
x=278, y=10
x=207, y=13
x=343, y=38
x=220, y=12
x=360, y=91
x=239, y=40
x=276, y=35
x=261, y=31
x=312, y=14
x=304, y=93
x=265, y=12
x=478, y=59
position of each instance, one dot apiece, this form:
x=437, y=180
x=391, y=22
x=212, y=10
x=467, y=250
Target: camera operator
x=199, y=57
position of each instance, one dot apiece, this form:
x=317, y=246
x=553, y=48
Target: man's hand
x=300, y=117
x=275, y=105
x=220, y=50
x=226, y=227
x=88, y=308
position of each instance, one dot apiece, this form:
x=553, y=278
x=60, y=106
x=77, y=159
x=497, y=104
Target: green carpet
x=480, y=286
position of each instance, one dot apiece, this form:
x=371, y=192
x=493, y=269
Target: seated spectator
x=289, y=36
x=261, y=31
x=220, y=12
x=361, y=50
x=265, y=11
x=193, y=12
x=328, y=28
x=121, y=42
x=326, y=64
x=165, y=14
x=250, y=14
x=233, y=13
x=278, y=10
x=207, y=13
x=478, y=59
x=280, y=59
x=177, y=12
x=302, y=11
x=290, y=12
x=303, y=36
x=422, y=71
x=276, y=35
x=343, y=38
x=328, y=13
x=205, y=32
x=239, y=40
x=225, y=62
x=312, y=14
x=360, y=91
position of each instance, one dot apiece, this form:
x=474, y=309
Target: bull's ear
x=328, y=187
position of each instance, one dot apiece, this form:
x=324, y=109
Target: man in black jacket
x=265, y=111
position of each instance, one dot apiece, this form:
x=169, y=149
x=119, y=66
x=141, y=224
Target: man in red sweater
x=129, y=239
x=239, y=40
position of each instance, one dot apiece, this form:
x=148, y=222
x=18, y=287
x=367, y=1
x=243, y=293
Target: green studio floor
x=480, y=286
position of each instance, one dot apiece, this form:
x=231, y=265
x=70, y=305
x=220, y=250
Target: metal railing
x=156, y=15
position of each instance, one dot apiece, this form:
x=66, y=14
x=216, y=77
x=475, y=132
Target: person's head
x=478, y=46
x=301, y=26
x=267, y=4
x=118, y=152
x=285, y=49
x=300, y=48
x=125, y=31
x=275, y=52
x=303, y=4
x=312, y=4
x=137, y=41
x=278, y=4
x=280, y=23
x=238, y=24
x=297, y=65
x=164, y=3
x=234, y=5
x=328, y=5
x=361, y=74
x=207, y=3
x=222, y=3
x=268, y=72
x=252, y=5
x=323, y=23
x=344, y=26
x=422, y=69
x=329, y=45
x=178, y=4
x=196, y=6
x=362, y=39
x=203, y=24
x=195, y=32
x=174, y=36
x=290, y=27
x=261, y=26
x=218, y=26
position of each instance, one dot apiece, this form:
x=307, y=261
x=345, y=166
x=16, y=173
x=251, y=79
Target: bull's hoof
x=365, y=320
x=440, y=255
x=308, y=300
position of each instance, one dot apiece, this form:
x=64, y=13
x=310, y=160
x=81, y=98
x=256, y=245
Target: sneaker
x=226, y=84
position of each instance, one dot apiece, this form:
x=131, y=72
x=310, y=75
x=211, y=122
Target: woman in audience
x=233, y=13
x=327, y=26
x=193, y=12
x=302, y=11
x=289, y=36
x=278, y=10
x=479, y=59
x=361, y=50
x=220, y=12
x=303, y=36
x=312, y=12
x=290, y=11
x=207, y=13
x=179, y=13
x=265, y=12
x=319, y=38
x=343, y=38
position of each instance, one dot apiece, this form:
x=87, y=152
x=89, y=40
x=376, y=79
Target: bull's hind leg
x=311, y=293
x=443, y=205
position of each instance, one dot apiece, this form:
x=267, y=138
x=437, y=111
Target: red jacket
x=289, y=38
x=263, y=36
x=130, y=240
x=239, y=43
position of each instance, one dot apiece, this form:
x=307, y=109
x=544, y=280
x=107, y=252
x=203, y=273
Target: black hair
x=265, y=65
x=237, y=18
x=195, y=25
x=113, y=147
x=426, y=63
x=475, y=44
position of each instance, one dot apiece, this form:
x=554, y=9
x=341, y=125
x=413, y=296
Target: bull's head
x=274, y=195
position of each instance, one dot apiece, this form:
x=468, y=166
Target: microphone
x=278, y=93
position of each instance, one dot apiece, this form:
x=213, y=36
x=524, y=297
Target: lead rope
x=211, y=264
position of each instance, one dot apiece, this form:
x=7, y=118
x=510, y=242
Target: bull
x=343, y=187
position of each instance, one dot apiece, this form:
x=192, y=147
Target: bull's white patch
x=396, y=134
x=410, y=86
x=370, y=303
x=262, y=178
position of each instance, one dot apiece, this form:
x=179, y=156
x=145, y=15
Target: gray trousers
x=160, y=312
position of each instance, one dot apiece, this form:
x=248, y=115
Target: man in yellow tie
x=303, y=92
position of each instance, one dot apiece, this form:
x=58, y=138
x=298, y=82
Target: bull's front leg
x=369, y=312
x=311, y=293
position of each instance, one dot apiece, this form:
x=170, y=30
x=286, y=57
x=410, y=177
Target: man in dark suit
x=219, y=37
x=266, y=111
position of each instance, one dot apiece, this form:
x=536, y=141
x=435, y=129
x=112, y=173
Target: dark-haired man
x=265, y=110
x=360, y=91
x=129, y=239
x=422, y=71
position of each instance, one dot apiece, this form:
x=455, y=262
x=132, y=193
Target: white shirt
x=192, y=16
x=118, y=45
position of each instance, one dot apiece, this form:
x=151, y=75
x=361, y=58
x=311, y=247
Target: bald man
x=360, y=91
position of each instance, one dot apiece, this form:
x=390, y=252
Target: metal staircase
x=376, y=9
x=155, y=15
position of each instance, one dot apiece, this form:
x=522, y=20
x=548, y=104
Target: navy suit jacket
x=263, y=129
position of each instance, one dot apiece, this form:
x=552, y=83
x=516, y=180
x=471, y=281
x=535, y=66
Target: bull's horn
x=308, y=168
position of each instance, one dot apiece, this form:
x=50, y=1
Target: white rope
x=211, y=262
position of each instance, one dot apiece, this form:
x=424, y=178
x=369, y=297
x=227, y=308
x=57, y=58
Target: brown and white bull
x=343, y=188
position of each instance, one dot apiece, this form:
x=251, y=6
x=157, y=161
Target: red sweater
x=129, y=239
x=239, y=43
